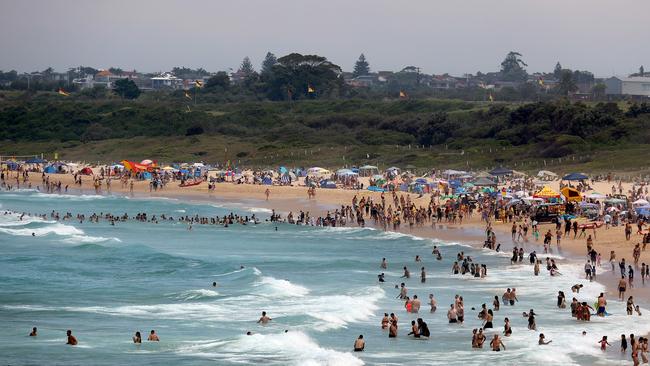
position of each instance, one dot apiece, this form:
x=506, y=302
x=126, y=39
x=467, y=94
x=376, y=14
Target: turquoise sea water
x=106, y=282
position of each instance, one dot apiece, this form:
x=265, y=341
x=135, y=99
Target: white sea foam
x=196, y=294
x=259, y=210
x=271, y=286
x=293, y=348
x=57, y=229
x=85, y=239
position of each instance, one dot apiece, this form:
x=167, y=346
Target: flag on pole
x=198, y=83
x=188, y=96
x=63, y=92
x=491, y=98
x=310, y=89
x=402, y=94
x=540, y=81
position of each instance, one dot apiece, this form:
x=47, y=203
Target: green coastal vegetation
x=299, y=111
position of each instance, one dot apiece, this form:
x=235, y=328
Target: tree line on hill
x=306, y=77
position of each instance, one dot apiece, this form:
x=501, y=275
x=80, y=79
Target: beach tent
x=36, y=161
x=50, y=169
x=327, y=184
x=393, y=168
x=368, y=170
x=344, y=172
x=546, y=174
x=571, y=195
x=484, y=182
x=575, y=176
x=596, y=196
x=546, y=192
x=86, y=171
x=500, y=171
x=267, y=181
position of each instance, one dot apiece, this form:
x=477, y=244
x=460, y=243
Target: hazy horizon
x=607, y=38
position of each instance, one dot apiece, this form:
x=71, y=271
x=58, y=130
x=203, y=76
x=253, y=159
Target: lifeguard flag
x=63, y=92
x=491, y=98
x=188, y=96
x=540, y=81
x=198, y=83
x=402, y=94
x=310, y=89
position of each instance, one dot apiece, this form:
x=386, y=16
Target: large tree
x=267, y=65
x=512, y=67
x=297, y=76
x=220, y=80
x=247, y=67
x=361, y=67
x=126, y=89
x=566, y=84
x=557, y=72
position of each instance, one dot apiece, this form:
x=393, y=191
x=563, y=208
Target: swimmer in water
x=359, y=344
x=381, y=277
x=385, y=321
x=384, y=264
x=433, y=303
x=33, y=333
x=603, y=344
x=406, y=274
x=137, y=338
x=542, y=340
x=214, y=284
x=153, y=337
x=71, y=339
x=496, y=344
x=264, y=319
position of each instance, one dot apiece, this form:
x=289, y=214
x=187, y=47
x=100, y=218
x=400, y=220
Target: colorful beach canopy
x=575, y=176
x=546, y=192
x=571, y=194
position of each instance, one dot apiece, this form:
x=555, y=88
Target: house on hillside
x=633, y=86
x=166, y=80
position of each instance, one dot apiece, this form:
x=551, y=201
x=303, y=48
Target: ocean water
x=106, y=282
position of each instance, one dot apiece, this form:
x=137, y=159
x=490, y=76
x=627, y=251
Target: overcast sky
x=456, y=36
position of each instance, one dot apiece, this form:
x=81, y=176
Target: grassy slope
x=335, y=147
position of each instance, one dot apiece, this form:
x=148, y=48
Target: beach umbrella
x=468, y=185
x=641, y=202
x=575, y=176
x=421, y=181
x=146, y=162
x=344, y=172
x=571, y=195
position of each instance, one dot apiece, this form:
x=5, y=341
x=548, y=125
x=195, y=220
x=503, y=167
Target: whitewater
x=318, y=284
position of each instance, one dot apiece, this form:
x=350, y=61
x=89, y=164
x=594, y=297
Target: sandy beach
x=285, y=199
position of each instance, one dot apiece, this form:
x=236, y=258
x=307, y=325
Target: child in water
x=603, y=343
